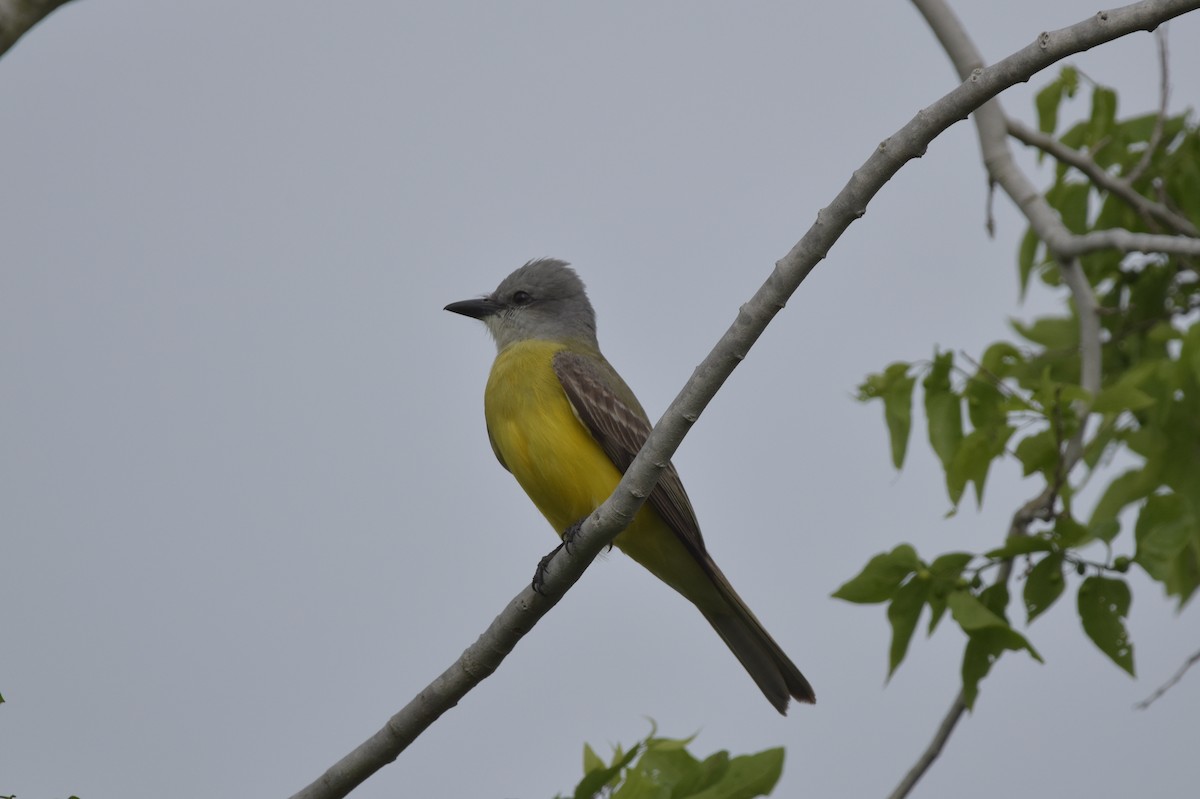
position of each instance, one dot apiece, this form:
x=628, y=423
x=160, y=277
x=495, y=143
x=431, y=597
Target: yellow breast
x=542, y=442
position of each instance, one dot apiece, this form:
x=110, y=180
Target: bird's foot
x=569, y=535
x=539, y=574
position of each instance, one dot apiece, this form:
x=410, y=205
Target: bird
x=562, y=421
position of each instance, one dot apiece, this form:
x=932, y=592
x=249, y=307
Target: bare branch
x=992, y=124
x=482, y=657
x=1121, y=187
x=1066, y=245
x=1089, y=350
x=18, y=16
x=1169, y=684
x=934, y=749
x=1164, y=94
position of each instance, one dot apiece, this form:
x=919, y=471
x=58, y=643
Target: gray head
x=544, y=299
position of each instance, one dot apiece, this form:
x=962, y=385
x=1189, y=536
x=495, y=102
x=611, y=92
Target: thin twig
x=1090, y=355
x=933, y=750
x=1164, y=94
x=1169, y=684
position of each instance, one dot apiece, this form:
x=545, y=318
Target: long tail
x=773, y=671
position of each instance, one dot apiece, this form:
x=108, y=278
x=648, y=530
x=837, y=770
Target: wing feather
x=621, y=427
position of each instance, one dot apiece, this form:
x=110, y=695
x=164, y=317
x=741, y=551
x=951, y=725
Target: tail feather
x=774, y=672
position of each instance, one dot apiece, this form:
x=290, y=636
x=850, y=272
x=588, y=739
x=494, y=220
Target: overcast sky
x=248, y=505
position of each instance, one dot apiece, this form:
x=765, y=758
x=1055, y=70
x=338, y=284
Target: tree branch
x=1169, y=684
x=482, y=657
x=1164, y=95
x=1121, y=187
x=18, y=16
x=933, y=750
x=992, y=124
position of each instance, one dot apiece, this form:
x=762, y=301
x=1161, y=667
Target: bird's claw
x=539, y=574
x=569, y=535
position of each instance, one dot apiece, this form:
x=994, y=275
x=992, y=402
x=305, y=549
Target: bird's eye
x=521, y=298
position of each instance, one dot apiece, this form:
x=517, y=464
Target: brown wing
x=611, y=413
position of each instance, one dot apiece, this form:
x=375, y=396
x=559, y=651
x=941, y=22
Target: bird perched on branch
x=564, y=423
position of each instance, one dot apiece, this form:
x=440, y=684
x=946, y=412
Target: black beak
x=476, y=309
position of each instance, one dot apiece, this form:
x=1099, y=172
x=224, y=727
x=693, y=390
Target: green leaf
x=1052, y=332
x=880, y=578
x=1070, y=80
x=1049, y=98
x=1044, y=585
x=943, y=409
x=897, y=409
x=1119, y=397
x=747, y=777
x=1047, y=102
x=1038, y=453
x=1103, y=605
x=999, y=361
x=1168, y=544
x=981, y=652
x=1140, y=128
x=1104, y=114
x=1129, y=487
x=985, y=403
x=894, y=387
x=946, y=573
x=974, y=459
x=937, y=609
x=971, y=614
x=990, y=635
x=1070, y=199
x=591, y=760
x=596, y=779
x=903, y=613
x=660, y=772
x=1070, y=533
x=948, y=567
x=1021, y=545
x=712, y=770
x=995, y=599
x=1026, y=257
x=1189, y=355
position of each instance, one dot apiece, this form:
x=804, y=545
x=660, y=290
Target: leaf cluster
x=662, y=768
x=1022, y=400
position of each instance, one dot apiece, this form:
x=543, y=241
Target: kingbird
x=566, y=426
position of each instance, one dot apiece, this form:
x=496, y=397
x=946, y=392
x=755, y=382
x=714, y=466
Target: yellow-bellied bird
x=564, y=423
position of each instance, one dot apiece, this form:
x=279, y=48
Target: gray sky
x=249, y=508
